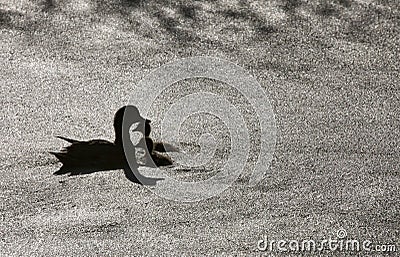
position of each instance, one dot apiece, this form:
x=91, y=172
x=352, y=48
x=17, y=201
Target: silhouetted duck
x=152, y=148
x=83, y=157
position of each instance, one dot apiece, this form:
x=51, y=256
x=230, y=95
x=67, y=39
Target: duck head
x=124, y=118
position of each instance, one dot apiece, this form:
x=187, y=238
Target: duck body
x=83, y=157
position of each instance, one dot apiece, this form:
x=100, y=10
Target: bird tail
x=61, y=171
x=68, y=139
x=60, y=156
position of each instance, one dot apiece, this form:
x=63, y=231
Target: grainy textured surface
x=331, y=69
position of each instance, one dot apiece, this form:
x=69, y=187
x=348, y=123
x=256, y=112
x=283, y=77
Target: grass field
x=330, y=69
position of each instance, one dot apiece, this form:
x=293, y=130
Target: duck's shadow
x=86, y=157
x=132, y=174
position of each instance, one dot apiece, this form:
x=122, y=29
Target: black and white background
x=330, y=69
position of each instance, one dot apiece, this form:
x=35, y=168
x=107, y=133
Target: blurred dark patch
x=291, y=5
x=327, y=10
x=183, y=28
x=111, y=7
x=10, y=19
x=48, y=5
x=103, y=228
x=367, y=25
x=184, y=36
x=265, y=29
x=245, y=13
x=187, y=11
x=166, y=22
x=358, y=29
x=5, y=19
x=235, y=14
x=345, y=3
x=171, y=26
x=132, y=3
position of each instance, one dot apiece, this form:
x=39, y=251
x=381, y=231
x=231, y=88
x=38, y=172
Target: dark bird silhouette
x=153, y=148
x=157, y=146
x=153, y=158
x=83, y=157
